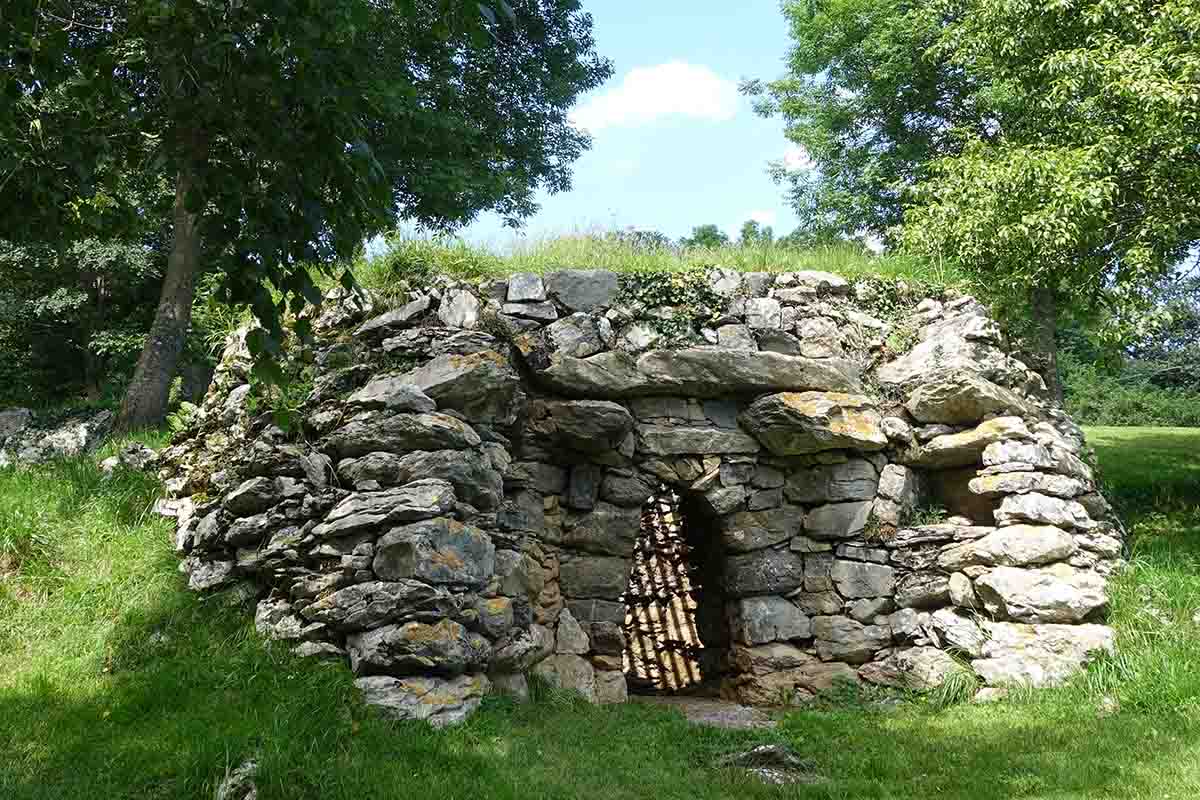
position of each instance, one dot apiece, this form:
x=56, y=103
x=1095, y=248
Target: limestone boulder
x=459, y=309
x=481, y=385
x=668, y=440
x=956, y=631
x=853, y=479
x=583, y=289
x=394, y=320
x=966, y=448
x=600, y=577
x=367, y=605
x=576, y=336
x=791, y=423
x=780, y=674
x=395, y=392
x=763, y=572
x=1054, y=594
x=1014, y=546
x=607, y=530
x=1002, y=483
x=585, y=426
x=855, y=579
x=837, y=520
x=1035, y=507
x=438, y=701
x=963, y=398
x=415, y=647
x=844, y=639
x=922, y=590
x=744, y=531
x=438, y=551
x=916, y=668
x=469, y=472
x=1039, y=655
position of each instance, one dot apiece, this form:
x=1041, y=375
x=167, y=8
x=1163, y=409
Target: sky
x=674, y=144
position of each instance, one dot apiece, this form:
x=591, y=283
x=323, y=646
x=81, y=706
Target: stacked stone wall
x=458, y=507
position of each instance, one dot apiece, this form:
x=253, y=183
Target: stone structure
x=460, y=504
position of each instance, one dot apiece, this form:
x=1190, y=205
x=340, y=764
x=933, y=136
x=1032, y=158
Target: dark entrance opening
x=675, y=632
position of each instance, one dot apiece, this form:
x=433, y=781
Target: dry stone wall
x=459, y=505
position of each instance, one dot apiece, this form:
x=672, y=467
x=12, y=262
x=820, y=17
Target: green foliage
x=958, y=686
x=410, y=263
x=705, y=236
x=755, y=235
x=1096, y=395
x=181, y=418
x=688, y=294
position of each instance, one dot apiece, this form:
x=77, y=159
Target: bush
x=1095, y=395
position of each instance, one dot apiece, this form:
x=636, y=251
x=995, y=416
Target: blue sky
x=674, y=145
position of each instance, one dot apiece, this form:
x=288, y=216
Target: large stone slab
x=599, y=577
x=763, y=572
x=1039, y=508
x=797, y=423
x=1054, y=594
x=858, y=579
x=699, y=372
x=438, y=701
x=469, y=472
x=837, y=520
x=966, y=448
x=669, y=440
x=607, y=529
x=367, y=605
x=963, y=398
x=583, y=289
x=440, y=551
x=586, y=426
x=1014, y=546
x=1039, y=655
x=399, y=433
x=758, y=620
x=480, y=385
x=1002, y=483
x=395, y=392
x=844, y=639
x=366, y=511
x=916, y=668
x=854, y=479
x=751, y=530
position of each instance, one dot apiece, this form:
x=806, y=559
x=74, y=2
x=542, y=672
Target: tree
x=1087, y=190
x=869, y=106
x=753, y=235
x=709, y=236
x=290, y=131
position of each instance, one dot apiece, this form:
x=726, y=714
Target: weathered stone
x=584, y=289
x=570, y=636
x=1015, y=546
x=395, y=392
x=958, y=632
x=1039, y=655
x=962, y=398
x=699, y=372
x=365, y=511
x=441, y=551
x=480, y=385
x=601, y=577
x=857, y=579
x=765, y=499
x=963, y=342
x=776, y=673
x=922, y=590
x=837, y=520
x=665, y=440
x=820, y=282
x=854, y=479
x=757, y=620
x=14, y=421
x=725, y=499
x=1013, y=451
x=966, y=448
x=459, y=309
x=438, y=701
x=867, y=609
x=401, y=433
x=386, y=324
x=900, y=484
x=534, y=312
x=736, y=337
x=611, y=687
x=763, y=572
x=415, y=647
x=1040, y=508
x=1003, y=483
x=962, y=592
x=819, y=603
x=587, y=426
x=630, y=491
x=905, y=624
x=367, y=605
x=843, y=639
x=792, y=423
x=763, y=312
x=524, y=287
x=576, y=335
x=608, y=530
x=1054, y=594
x=916, y=668
x=751, y=530
x=257, y=495
x=897, y=430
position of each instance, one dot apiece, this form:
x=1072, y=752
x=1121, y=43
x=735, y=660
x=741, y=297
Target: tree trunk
x=145, y=402
x=1045, y=325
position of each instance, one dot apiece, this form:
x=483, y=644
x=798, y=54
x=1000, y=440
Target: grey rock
x=670, y=440
x=837, y=520
x=439, y=551
x=699, y=372
x=1053, y=594
x=14, y=421
x=438, y=701
x=399, y=433
x=480, y=385
x=1015, y=451
x=763, y=572
x=758, y=620
x=600, y=577
x=254, y=496
x=1040, y=508
x=857, y=579
x=922, y=590
x=736, y=337
x=385, y=324
x=725, y=499
x=867, y=609
x=798, y=423
x=368, y=605
x=1002, y=483
x=958, y=632
x=819, y=338
x=570, y=636
x=962, y=398
x=535, y=312
x=1039, y=655
x=1014, y=546
x=576, y=335
x=917, y=668
x=584, y=488
x=611, y=687
x=752, y=530
x=966, y=448
x=630, y=491
x=395, y=392
x=365, y=511
x=586, y=426
x=843, y=639
x=470, y=473
x=854, y=479
x=962, y=592
x=606, y=530
x=584, y=290
x=205, y=575
x=415, y=647
x=763, y=312
x=459, y=309
x=524, y=287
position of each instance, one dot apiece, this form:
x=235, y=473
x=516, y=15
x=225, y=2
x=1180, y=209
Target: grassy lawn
x=117, y=683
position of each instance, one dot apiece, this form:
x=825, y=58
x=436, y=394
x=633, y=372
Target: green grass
x=115, y=682
x=412, y=262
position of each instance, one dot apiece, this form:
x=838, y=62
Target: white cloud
x=647, y=93
x=797, y=159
